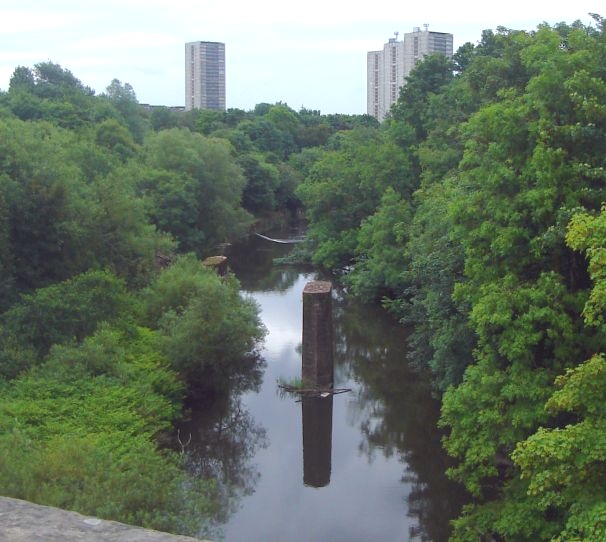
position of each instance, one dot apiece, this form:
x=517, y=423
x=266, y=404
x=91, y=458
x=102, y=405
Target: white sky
x=310, y=53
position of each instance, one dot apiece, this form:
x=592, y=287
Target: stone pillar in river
x=317, y=360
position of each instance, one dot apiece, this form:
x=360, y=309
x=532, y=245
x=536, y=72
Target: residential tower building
x=388, y=68
x=205, y=75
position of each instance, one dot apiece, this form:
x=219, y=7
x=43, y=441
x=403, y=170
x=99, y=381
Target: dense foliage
x=474, y=213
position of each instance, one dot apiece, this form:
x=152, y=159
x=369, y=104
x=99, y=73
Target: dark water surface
x=373, y=462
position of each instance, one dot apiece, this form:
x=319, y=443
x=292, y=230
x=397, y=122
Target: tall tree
x=564, y=461
x=194, y=188
x=122, y=96
x=531, y=158
x=345, y=186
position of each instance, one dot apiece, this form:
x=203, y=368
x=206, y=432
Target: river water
x=372, y=467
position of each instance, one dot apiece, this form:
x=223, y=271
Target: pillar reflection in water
x=317, y=440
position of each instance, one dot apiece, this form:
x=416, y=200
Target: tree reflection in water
x=396, y=414
x=224, y=440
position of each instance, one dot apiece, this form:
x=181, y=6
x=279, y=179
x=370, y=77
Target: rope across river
x=282, y=241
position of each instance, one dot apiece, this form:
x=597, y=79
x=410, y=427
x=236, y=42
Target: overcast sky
x=310, y=53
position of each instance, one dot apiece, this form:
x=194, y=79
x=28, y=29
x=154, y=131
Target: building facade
x=388, y=68
x=205, y=75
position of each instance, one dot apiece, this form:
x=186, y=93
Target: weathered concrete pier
x=317, y=372
x=22, y=521
x=318, y=347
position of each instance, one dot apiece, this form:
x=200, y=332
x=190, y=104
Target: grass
x=295, y=382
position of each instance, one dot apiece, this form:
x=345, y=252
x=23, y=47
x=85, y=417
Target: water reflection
x=375, y=451
x=220, y=439
x=317, y=440
x=252, y=261
x=224, y=440
x=396, y=415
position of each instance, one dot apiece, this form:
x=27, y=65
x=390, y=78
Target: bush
x=63, y=313
x=79, y=433
x=208, y=326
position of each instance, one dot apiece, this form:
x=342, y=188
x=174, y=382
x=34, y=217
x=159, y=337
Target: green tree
x=68, y=209
x=284, y=118
x=162, y=118
x=7, y=276
x=115, y=137
x=22, y=80
x=209, y=327
x=262, y=179
x=209, y=121
x=441, y=338
x=530, y=160
x=345, y=186
x=122, y=96
x=206, y=178
x=41, y=194
x=53, y=81
x=429, y=77
x=59, y=314
x=380, y=261
x=268, y=137
x=564, y=462
x=52, y=93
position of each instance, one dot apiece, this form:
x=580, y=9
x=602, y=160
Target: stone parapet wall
x=22, y=521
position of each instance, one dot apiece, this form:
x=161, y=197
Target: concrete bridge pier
x=317, y=369
x=317, y=372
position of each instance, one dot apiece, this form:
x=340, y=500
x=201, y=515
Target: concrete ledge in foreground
x=22, y=521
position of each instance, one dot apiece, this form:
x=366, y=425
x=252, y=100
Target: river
x=372, y=468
